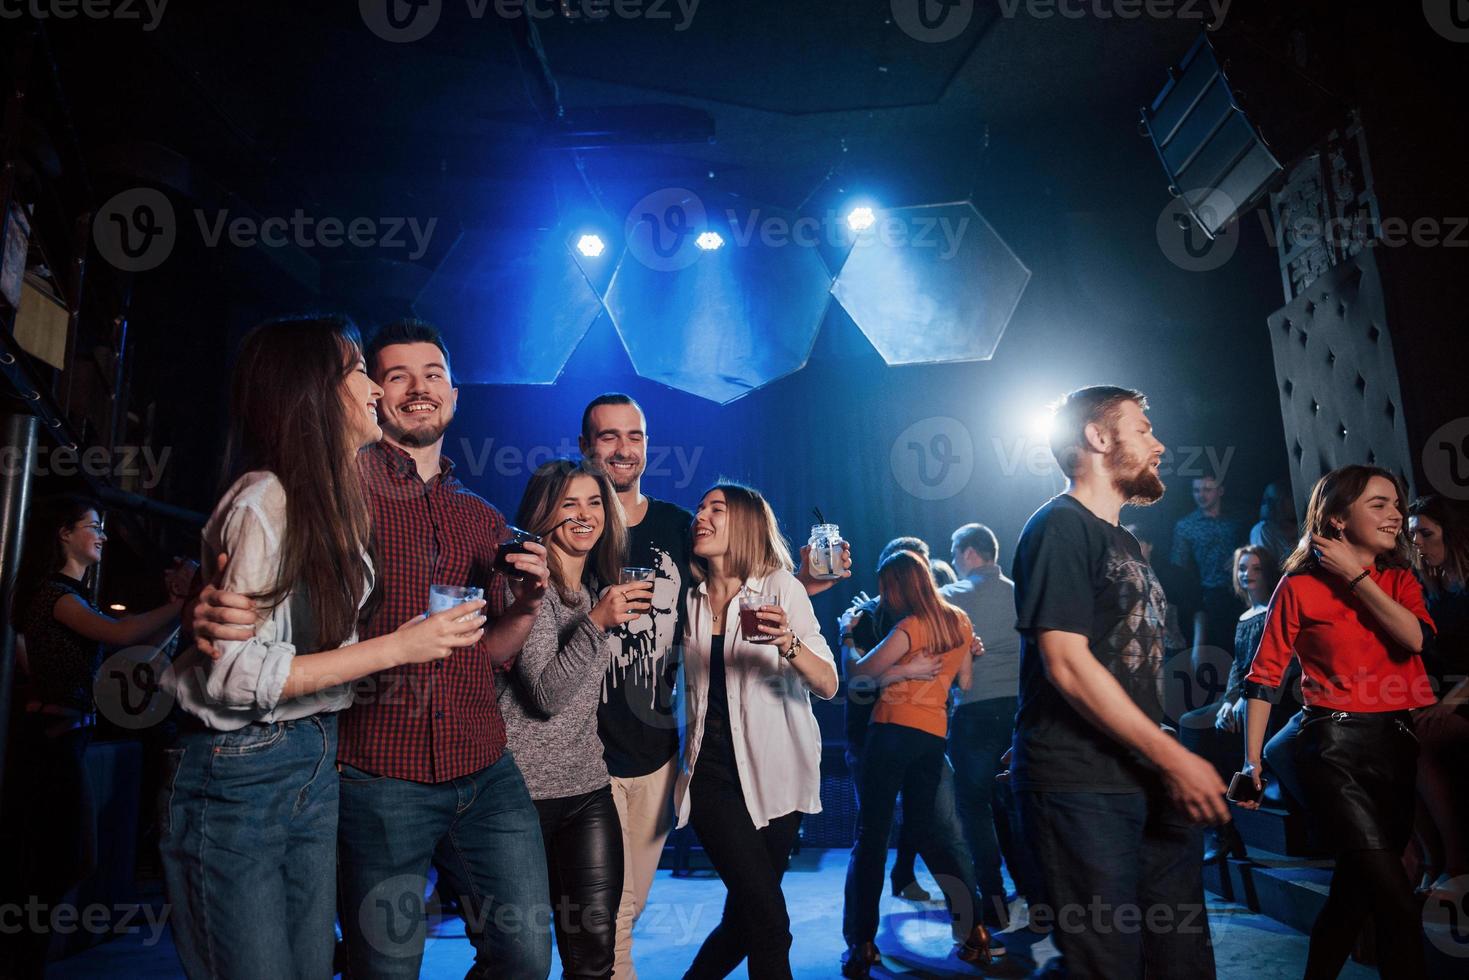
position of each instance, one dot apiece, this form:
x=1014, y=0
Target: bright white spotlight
x=1042, y=424
x=709, y=241
x=590, y=245
x=860, y=219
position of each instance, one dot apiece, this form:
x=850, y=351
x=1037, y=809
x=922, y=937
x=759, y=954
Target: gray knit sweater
x=550, y=701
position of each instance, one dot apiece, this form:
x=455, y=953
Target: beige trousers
x=645, y=807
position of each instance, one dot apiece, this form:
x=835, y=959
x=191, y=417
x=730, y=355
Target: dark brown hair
x=909, y=589
x=1332, y=496
x=44, y=555
x=610, y=398
x=1100, y=404
x=1454, y=525
x=288, y=417
x=540, y=512
x=409, y=331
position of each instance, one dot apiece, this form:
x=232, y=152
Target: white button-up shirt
x=777, y=743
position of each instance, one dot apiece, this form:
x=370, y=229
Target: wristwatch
x=795, y=647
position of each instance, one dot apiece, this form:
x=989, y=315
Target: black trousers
x=584, y=866
x=751, y=862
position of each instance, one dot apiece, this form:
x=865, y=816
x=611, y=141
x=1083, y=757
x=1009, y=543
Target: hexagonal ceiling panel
x=931, y=284
x=513, y=304
x=715, y=320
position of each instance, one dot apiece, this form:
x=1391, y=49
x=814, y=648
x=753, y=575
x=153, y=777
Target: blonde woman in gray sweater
x=550, y=706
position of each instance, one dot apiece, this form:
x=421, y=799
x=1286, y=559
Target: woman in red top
x=1352, y=611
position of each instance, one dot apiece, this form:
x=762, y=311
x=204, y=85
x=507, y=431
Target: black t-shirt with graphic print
x=636, y=719
x=1076, y=573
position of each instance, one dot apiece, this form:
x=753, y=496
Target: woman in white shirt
x=752, y=756
x=249, y=807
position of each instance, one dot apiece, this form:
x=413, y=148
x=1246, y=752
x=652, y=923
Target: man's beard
x=1133, y=478
x=418, y=436
x=618, y=483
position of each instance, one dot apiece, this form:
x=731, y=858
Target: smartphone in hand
x=1242, y=789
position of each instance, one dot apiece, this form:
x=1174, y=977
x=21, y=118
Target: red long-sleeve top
x=1349, y=662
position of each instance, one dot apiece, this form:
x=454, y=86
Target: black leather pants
x=584, y=865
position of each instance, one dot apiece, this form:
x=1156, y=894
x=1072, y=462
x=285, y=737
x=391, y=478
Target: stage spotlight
x=1042, y=424
x=860, y=219
x=590, y=245
x=709, y=241
x=118, y=607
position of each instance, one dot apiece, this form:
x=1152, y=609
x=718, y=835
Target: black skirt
x=1357, y=771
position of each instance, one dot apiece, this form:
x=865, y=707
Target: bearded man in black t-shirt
x=1112, y=802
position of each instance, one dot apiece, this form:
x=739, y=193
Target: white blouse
x=777, y=743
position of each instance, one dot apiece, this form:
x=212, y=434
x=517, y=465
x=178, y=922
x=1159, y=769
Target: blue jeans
x=899, y=758
x=979, y=734
x=1124, y=882
x=248, y=823
x=483, y=832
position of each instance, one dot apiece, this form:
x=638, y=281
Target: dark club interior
x=673, y=335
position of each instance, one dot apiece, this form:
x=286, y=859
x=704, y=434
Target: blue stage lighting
x=591, y=245
x=861, y=218
x=709, y=241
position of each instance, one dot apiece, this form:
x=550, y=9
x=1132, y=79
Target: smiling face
x=82, y=542
x=711, y=526
x=418, y=399
x=360, y=398
x=1428, y=539
x=616, y=439
x=1374, y=519
x=1134, y=456
x=582, y=503
x=1208, y=494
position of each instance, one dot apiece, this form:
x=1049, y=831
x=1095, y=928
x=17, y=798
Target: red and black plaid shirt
x=438, y=721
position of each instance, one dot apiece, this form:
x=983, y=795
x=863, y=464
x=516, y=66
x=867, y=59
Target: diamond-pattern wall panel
x=1337, y=378
x=931, y=284
x=512, y=304
x=718, y=323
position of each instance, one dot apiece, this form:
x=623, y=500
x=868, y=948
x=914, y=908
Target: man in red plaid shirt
x=424, y=773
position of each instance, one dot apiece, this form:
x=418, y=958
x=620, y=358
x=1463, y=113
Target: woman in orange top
x=905, y=752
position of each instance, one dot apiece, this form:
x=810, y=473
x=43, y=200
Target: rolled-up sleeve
x=802, y=620
x=250, y=674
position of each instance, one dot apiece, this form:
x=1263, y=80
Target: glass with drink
x=441, y=597
x=824, y=559
x=513, y=545
x=750, y=622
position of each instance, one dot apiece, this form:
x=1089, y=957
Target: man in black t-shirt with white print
x=636, y=718
x=1113, y=803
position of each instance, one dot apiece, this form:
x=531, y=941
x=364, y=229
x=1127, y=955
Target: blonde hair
x=756, y=546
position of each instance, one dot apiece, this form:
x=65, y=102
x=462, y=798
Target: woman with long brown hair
x=550, y=705
x=249, y=807
x=905, y=752
x=752, y=756
x=1353, y=613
